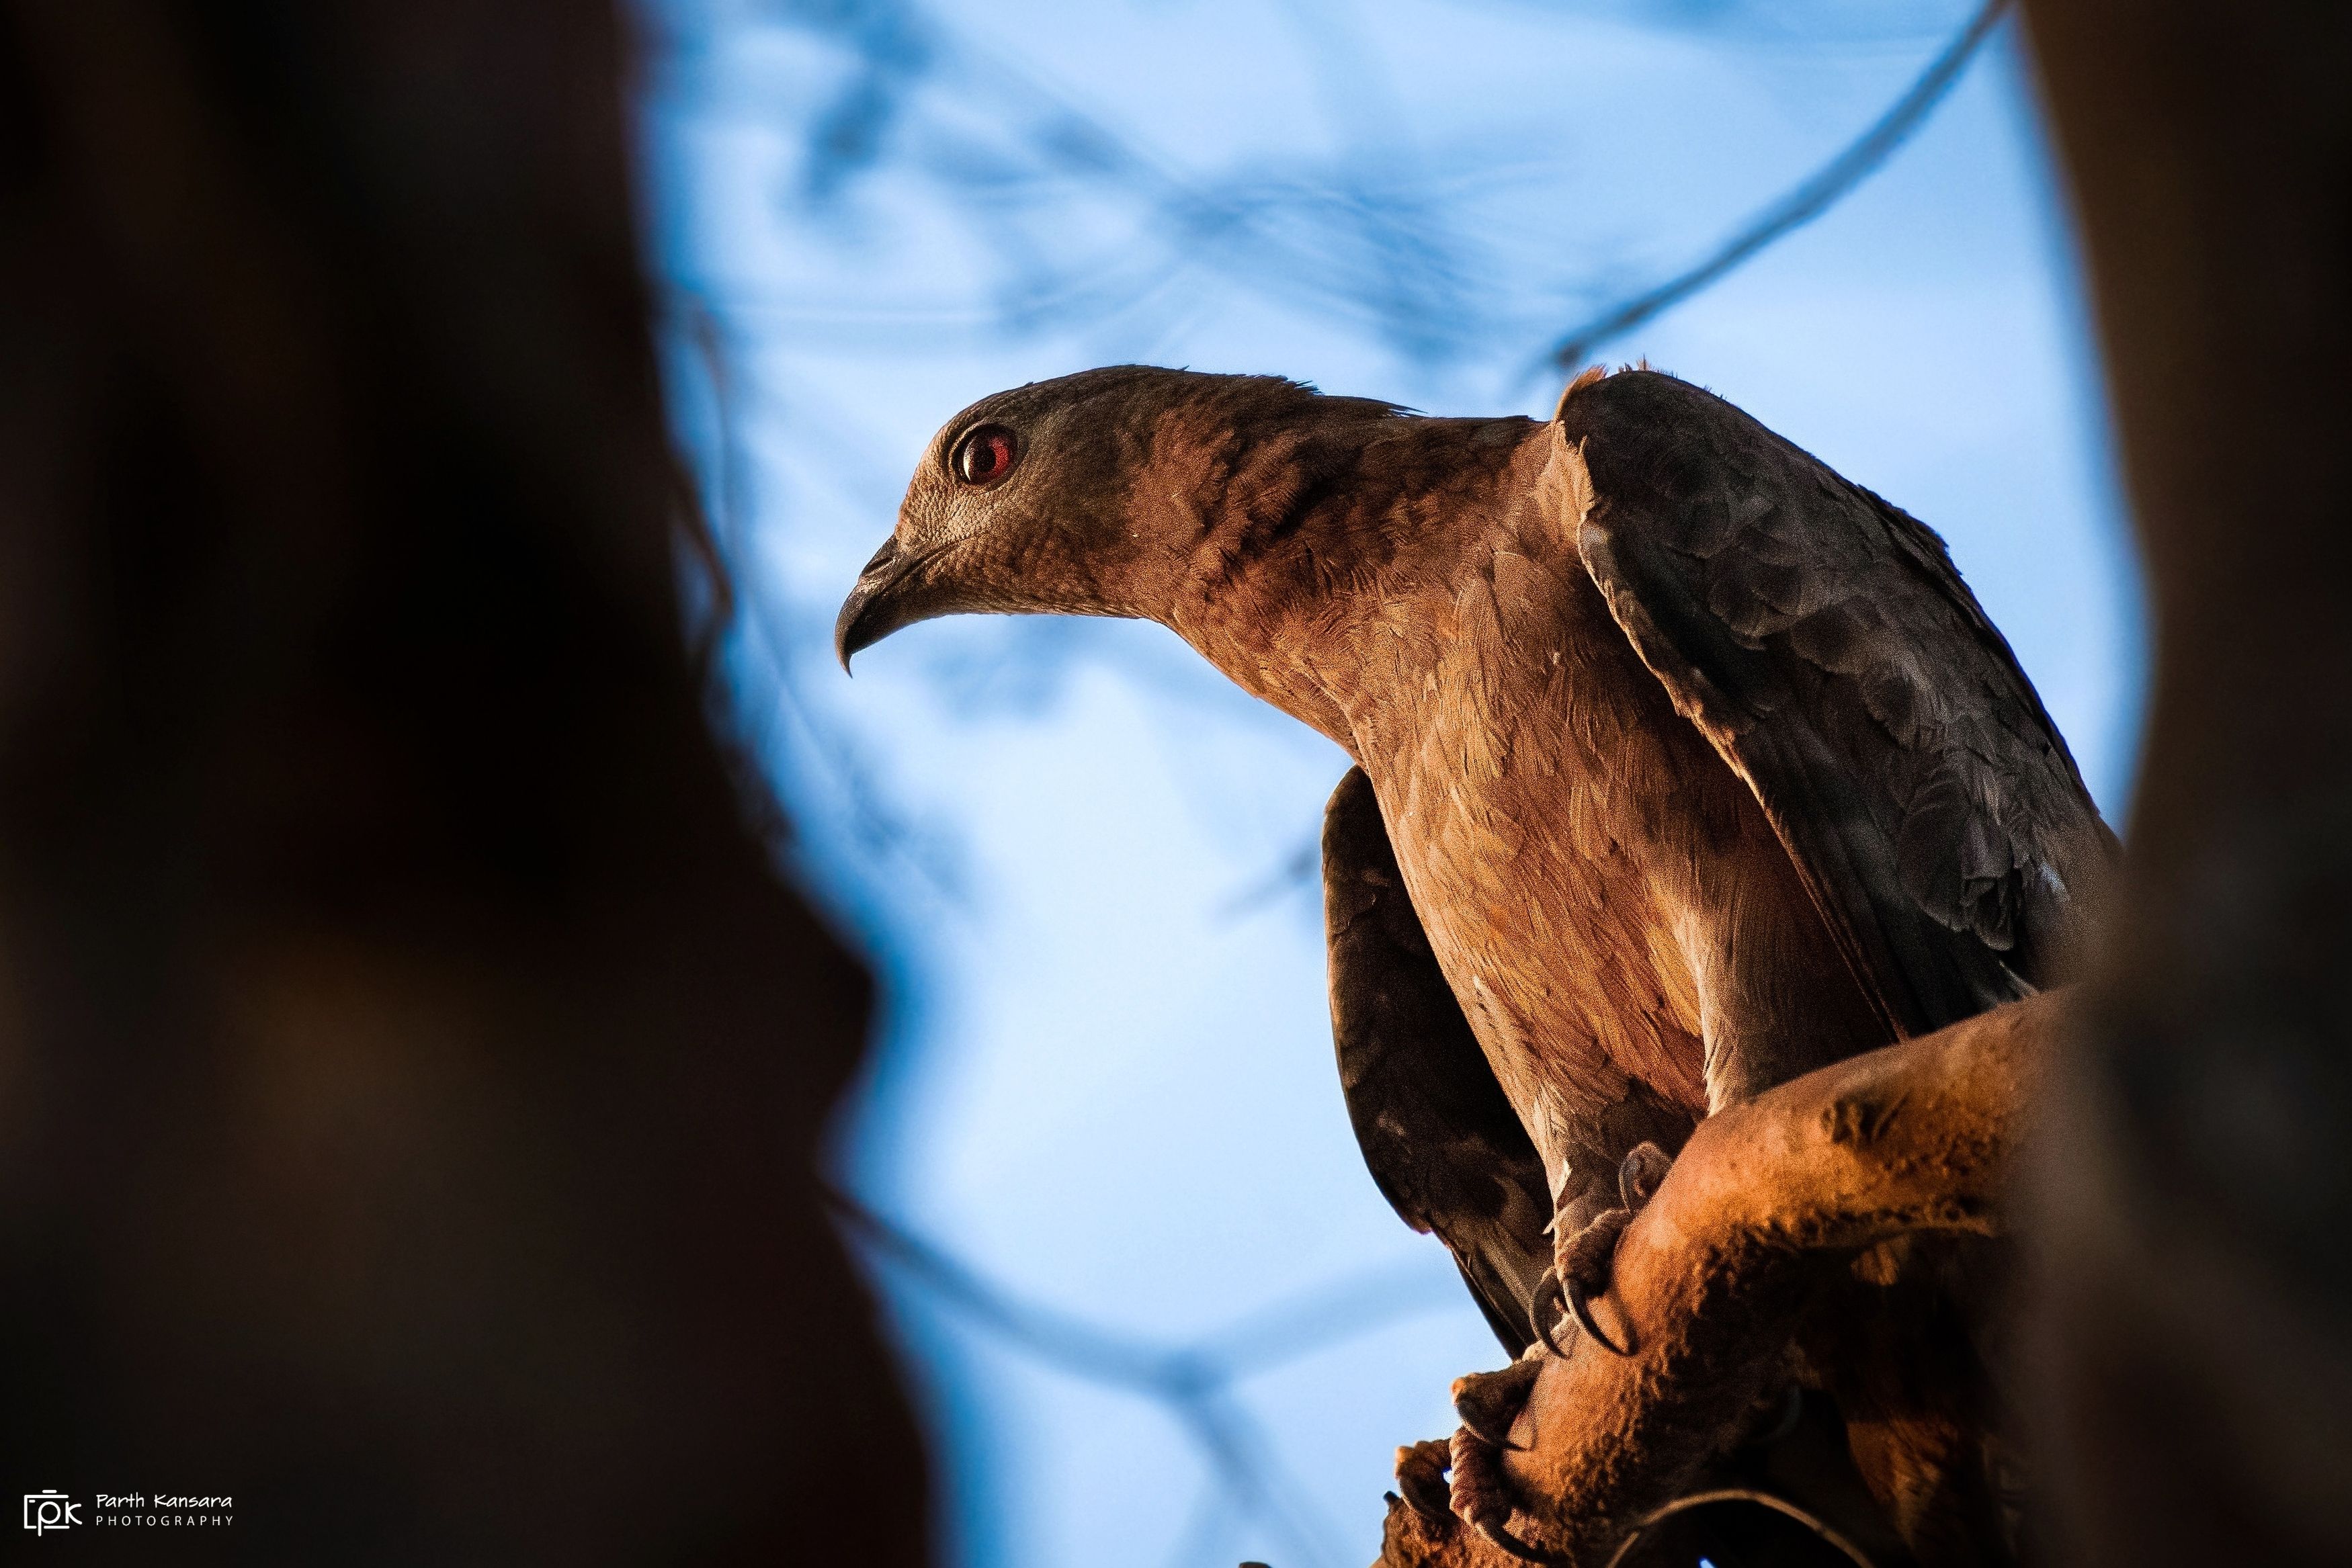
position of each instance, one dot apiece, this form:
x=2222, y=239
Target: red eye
x=985, y=455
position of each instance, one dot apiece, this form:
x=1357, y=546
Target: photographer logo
x=48, y=1510
x=53, y=1509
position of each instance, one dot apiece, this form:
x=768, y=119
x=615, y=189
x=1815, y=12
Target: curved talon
x=1549, y=1305
x=1489, y=1402
x=1524, y=1551
x=1641, y=1173
x=1576, y=1304
x=1421, y=1477
x=1482, y=1429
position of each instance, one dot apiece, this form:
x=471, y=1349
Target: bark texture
x=410, y=1066
x=2196, y=1188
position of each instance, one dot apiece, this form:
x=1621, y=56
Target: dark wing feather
x=1825, y=645
x=1444, y=1145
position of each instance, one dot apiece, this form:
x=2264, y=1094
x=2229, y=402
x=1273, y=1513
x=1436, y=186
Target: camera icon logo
x=48, y=1510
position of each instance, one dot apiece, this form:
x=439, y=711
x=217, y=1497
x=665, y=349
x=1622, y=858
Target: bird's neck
x=1320, y=588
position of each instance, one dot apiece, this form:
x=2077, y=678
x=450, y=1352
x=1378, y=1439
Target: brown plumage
x=1700, y=766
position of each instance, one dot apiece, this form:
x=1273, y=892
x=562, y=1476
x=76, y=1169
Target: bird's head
x=1096, y=493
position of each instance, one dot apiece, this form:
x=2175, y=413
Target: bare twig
x=1808, y=200
x=1195, y=1381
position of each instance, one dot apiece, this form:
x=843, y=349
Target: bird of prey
x=1683, y=766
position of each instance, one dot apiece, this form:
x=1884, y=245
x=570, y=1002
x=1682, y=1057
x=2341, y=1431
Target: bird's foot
x=1488, y=1403
x=1584, y=1262
x=1420, y=1478
x=1463, y=1479
x=1480, y=1495
x=1476, y=1494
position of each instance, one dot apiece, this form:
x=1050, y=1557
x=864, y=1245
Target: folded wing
x=1443, y=1143
x=1826, y=646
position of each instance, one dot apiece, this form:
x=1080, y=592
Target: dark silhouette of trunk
x=2199, y=1172
x=410, y=1064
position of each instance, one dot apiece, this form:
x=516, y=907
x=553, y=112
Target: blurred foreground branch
x=2197, y=1192
x=410, y=1064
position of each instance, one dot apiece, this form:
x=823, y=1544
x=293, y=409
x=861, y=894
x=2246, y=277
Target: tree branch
x=1768, y=1203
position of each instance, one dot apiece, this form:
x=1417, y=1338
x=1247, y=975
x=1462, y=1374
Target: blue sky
x=1105, y=1079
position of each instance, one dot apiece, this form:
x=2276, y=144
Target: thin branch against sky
x=1195, y=1383
x=1816, y=194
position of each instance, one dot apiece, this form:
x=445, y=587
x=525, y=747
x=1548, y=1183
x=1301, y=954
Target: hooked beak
x=883, y=600
x=859, y=625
